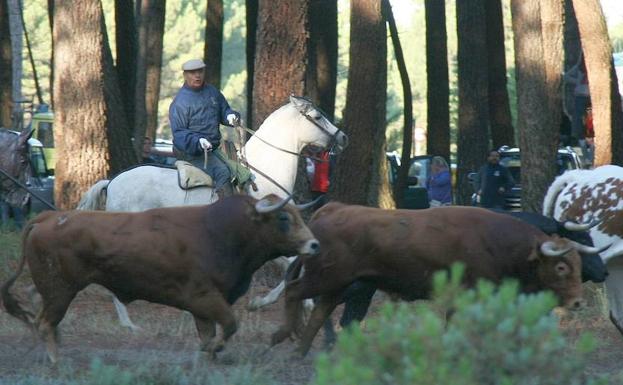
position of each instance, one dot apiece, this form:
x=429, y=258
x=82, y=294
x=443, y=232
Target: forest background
x=184, y=40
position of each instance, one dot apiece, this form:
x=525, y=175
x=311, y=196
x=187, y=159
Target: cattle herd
x=202, y=258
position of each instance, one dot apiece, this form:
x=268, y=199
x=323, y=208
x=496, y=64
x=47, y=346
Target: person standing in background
x=495, y=181
x=439, y=183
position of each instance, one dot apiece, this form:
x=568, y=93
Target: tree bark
x=601, y=82
x=153, y=64
x=323, y=55
x=213, y=50
x=281, y=56
x=6, y=68
x=438, y=91
x=251, y=15
x=502, y=132
x=400, y=184
x=125, y=33
x=537, y=139
x=473, y=135
x=357, y=178
x=89, y=129
x=140, y=85
x=552, y=25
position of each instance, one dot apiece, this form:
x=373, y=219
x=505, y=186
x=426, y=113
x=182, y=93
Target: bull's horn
x=549, y=249
x=574, y=226
x=588, y=249
x=264, y=205
x=307, y=205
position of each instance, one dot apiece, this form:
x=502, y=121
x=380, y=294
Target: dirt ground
x=90, y=330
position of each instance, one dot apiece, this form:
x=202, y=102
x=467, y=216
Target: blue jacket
x=440, y=187
x=196, y=114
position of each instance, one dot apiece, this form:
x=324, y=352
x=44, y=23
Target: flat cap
x=193, y=64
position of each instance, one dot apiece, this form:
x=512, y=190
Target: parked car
x=41, y=182
x=416, y=195
x=567, y=159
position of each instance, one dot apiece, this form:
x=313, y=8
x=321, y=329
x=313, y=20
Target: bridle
x=331, y=145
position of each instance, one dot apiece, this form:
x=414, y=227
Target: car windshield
x=38, y=161
x=512, y=162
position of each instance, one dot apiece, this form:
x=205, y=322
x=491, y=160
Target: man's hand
x=205, y=144
x=233, y=119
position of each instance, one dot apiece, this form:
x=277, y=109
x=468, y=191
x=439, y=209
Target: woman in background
x=439, y=183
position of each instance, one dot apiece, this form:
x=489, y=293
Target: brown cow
x=399, y=250
x=195, y=258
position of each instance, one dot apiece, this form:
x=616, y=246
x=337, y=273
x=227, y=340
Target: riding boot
x=225, y=191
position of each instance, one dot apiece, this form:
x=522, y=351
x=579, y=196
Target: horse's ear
x=301, y=104
x=25, y=135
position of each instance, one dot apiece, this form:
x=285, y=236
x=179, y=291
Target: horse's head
x=14, y=157
x=316, y=129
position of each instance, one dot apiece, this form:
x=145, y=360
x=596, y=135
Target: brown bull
x=399, y=250
x=195, y=258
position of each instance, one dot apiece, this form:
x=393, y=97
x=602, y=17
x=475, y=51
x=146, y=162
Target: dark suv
x=567, y=159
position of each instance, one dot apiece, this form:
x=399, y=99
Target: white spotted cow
x=587, y=195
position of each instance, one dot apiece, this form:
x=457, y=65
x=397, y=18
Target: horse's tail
x=554, y=190
x=95, y=197
x=11, y=304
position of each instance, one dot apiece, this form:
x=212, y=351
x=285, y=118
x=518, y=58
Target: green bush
x=494, y=336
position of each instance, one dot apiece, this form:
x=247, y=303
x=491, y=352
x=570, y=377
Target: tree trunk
x=153, y=63
x=323, y=54
x=6, y=68
x=552, y=25
x=251, y=14
x=89, y=129
x=573, y=53
x=125, y=32
x=400, y=184
x=213, y=50
x=17, y=33
x=281, y=56
x=473, y=135
x=357, y=178
x=502, y=132
x=601, y=81
x=140, y=85
x=537, y=139
x=438, y=91
x=51, y=79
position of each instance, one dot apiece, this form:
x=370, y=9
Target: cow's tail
x=11, y=304
x=95, y=197
x=554, y=190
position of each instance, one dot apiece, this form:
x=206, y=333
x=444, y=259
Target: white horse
x=272, y=151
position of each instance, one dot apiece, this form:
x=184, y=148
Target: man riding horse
x=195, y=114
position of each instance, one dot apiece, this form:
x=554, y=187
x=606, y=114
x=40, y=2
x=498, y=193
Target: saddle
x=189, y=176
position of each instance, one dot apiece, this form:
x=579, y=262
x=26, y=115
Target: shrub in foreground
x=494, y=336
